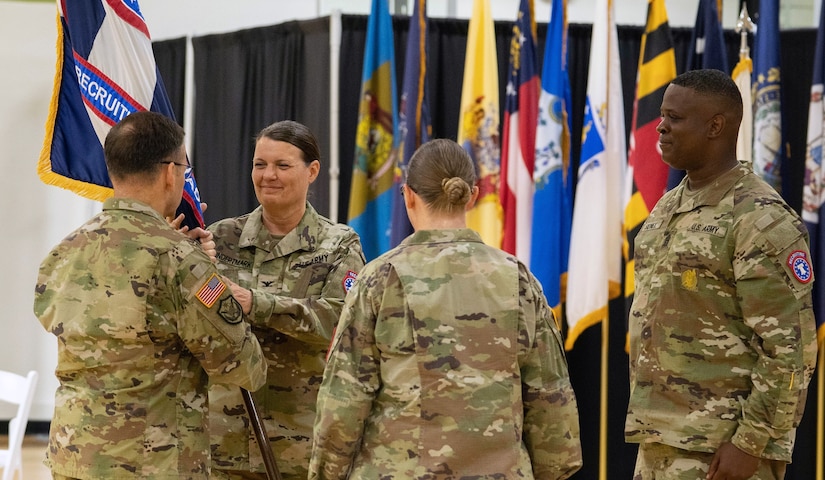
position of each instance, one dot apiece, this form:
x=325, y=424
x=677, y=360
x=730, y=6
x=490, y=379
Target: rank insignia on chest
x=798, y=263
x=690, y=280
x=349, y=280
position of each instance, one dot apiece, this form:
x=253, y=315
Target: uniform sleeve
x=312, y=319
x=351, y=381
x=774, y=277
x=551, y=419
x=213, y=327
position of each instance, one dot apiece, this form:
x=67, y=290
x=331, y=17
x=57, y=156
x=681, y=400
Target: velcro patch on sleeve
x=211, y=290
x=349, y=280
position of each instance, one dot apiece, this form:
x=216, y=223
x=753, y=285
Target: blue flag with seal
x=768, y=138
x=553, y=170
x=376, y=138
x=105, y=71
x=813, y=197
x=414, y=127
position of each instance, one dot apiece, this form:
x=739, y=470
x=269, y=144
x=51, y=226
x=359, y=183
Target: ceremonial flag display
x=742, y=77
x=553, y=172
x=414, y=127
x=105, y=71
x=814, y=189
x=594, y=273
x=707, y=39
x=478, y=127
x=707, y=51
x=646, y=173
x=518, y=146
x=376, y=142
x=768, y=141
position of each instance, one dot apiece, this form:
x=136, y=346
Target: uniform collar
x=301, y=238
x=120, y=203
x=712, y=193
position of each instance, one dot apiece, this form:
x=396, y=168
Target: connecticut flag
x=105, y=71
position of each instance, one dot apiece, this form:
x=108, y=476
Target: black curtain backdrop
x=170, y=57
x=248, y=79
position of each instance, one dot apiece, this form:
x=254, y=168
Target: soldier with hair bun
x=447, y=362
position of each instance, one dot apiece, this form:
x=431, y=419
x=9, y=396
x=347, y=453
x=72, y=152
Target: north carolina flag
x=478, y=124
x=553, y=172
x=647, y=174
x=376, y=141
x=813, y=197
x=518, y=154
x=594, y=270
x=105, y=71
x=414, y=127
x=707, y=42
x=768, y=142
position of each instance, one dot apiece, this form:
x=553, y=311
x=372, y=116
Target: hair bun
x=457, y=190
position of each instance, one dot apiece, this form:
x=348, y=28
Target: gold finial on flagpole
x=744, y=26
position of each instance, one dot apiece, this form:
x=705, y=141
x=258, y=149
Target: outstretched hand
x=730, y=463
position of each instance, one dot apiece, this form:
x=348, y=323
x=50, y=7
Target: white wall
x=36, y=216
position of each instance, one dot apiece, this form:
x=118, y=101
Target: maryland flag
x=105, y=71
x=376, y=141
x=647, y=174
x=478, y=127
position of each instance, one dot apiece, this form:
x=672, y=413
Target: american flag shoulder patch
x=211, y=290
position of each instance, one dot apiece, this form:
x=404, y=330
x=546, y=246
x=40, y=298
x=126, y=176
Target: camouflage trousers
x=656, y=461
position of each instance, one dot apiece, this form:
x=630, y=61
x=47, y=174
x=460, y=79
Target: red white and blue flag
x=105, y=71
x=518, y=146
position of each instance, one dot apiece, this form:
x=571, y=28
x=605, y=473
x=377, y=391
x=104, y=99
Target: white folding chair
x=17, y=390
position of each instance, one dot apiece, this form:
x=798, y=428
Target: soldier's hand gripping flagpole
x=261, y=437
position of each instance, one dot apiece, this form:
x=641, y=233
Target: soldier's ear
x=716, y=125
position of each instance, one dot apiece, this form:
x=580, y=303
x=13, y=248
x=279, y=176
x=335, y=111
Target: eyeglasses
x=176, y=163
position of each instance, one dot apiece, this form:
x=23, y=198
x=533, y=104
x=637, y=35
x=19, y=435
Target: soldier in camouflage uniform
x=447, y=362
x=293, y=268
x=141, y=316
x=722, y=335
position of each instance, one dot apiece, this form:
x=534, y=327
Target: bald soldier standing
x=722, y=334
x=142, y=317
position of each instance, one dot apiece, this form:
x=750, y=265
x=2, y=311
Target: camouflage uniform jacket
x=141, y=318
x=722, y=335
x=446, y=364
x=298, y=284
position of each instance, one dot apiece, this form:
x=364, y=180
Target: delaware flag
x=553, y=174
x=768, y=142
x=707, y=51
x=595, y=262
x=414, y=127
x=478, y=122
x=518, y=148
x=814, y=189
x=376, y=141
x=105, y=71
x=647, y=174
